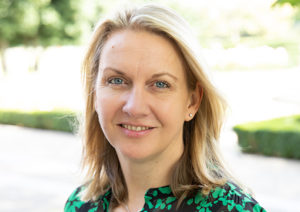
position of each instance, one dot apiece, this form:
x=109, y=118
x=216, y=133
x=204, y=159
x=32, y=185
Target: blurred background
x=251, y=47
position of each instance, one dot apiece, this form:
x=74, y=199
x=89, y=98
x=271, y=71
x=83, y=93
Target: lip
x=135, y=124
x=135, y=134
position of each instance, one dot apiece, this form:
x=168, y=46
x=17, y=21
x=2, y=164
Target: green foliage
x=42, y=22
x=52, y=120
x=277, y=137
x=295, y=3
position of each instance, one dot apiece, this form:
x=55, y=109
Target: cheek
x=172, y=109
x=104, y=108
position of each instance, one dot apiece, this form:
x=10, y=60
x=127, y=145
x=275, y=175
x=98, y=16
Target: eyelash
x=166, y=84
x=111, y=81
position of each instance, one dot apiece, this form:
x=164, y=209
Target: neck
x=141, y=176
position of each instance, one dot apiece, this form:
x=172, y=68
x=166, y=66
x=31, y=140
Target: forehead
x=142, y=50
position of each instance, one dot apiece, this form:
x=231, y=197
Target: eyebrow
x=114, y=70
x=153, y=76
x=164, y=73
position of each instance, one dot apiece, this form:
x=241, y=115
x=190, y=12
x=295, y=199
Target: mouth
x=135, y=128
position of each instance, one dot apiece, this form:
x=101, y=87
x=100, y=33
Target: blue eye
x=116, y=81
x=162, y=84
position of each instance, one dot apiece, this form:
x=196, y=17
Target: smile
x=135, y=128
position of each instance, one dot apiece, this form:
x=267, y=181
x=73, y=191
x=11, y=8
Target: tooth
x=135, y=128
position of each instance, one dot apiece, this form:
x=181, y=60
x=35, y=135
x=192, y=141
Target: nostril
x=135, y=105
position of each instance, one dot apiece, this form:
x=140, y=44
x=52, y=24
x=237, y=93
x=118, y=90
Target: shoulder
x=76, y=204
x=229, y=197
x=235, y=199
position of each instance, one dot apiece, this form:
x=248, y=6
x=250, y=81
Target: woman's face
x=142, y=99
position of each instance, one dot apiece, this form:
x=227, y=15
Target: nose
x=136, y=103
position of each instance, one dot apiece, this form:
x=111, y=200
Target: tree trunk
x=3, y=62
x=38, y=52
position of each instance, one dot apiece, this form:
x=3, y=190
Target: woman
x=152, y=121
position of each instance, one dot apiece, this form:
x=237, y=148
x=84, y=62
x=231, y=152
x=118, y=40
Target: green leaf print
x=158, y=203
x=190, y=201
x=150, y=205
x=165, y=190
x=258, y=208
x=93, y=210
x=67, y=205
x=239, y=208
x=77, y=204
x=205, y=204
x=170, y=199
x=105, y=203
x=231, y=205
x=246, y=199
x=198, y=198
x=148, y=202
x=233, y=187
x=163, y=205
x=219, y=192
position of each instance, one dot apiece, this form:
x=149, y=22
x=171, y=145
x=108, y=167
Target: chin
x=138, y=156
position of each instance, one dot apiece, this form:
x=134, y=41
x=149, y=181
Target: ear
x=195, y=99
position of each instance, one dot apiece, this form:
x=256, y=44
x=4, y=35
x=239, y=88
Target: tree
x=294, y=3
x=41, y=22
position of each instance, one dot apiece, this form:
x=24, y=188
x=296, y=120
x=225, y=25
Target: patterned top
x=226, y=198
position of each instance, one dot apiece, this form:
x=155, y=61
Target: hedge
x=53, y=120
x=277, y=137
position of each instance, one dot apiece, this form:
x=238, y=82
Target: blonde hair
x=200, y=166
